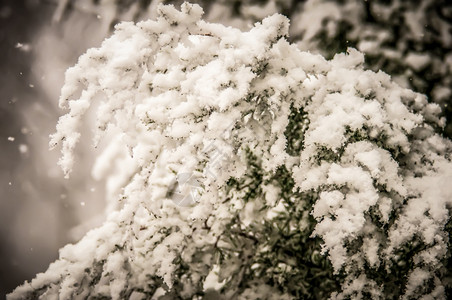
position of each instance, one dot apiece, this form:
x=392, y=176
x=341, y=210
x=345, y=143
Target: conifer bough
x=309, y=178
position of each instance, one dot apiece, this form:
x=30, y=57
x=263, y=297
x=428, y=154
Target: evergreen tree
x=244, y=168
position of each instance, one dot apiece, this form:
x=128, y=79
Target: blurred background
x=40, y=211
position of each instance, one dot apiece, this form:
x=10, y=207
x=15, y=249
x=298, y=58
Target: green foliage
x=286, y=256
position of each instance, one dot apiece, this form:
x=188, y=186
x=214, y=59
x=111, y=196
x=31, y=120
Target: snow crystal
x=23, y=148
x=23, y=47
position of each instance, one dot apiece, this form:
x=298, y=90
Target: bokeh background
x=40, y=211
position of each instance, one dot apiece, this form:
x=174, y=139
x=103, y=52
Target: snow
x=371, y=246
x=417, y=61
x=23, y=47
x=183, y=97
x=416, y=279
x=212, y=280
x=23, y=148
